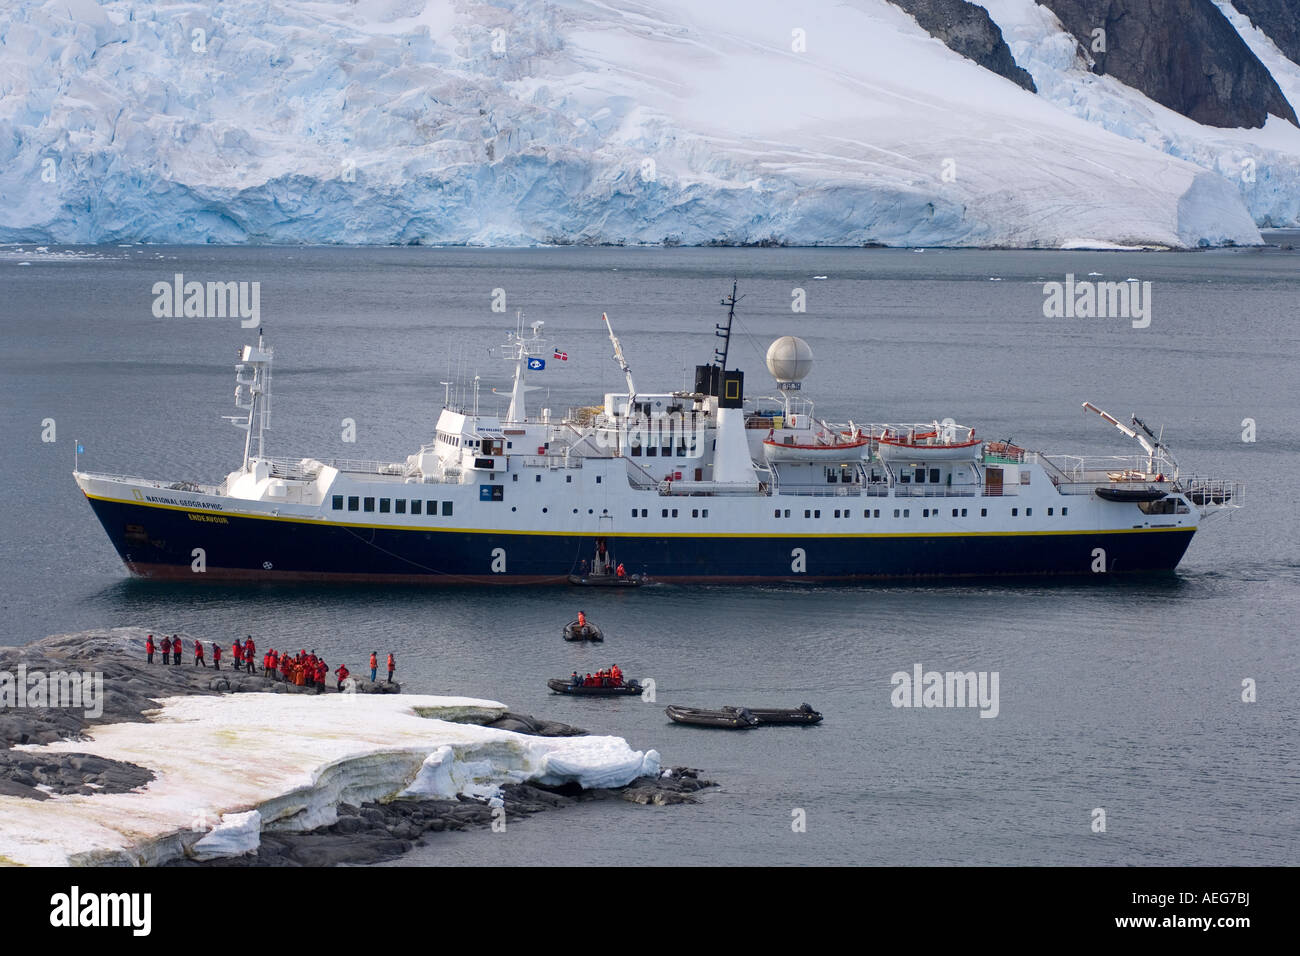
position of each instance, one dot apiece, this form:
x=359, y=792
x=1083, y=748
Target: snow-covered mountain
x=612, y=121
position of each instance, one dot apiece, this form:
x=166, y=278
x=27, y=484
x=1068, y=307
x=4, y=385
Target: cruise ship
x=704, y=485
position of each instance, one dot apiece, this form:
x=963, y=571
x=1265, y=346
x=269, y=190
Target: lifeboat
x=839, y=451
x=928, y=448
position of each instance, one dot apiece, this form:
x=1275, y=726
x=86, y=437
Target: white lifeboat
x=929, y=446
x=840, y=450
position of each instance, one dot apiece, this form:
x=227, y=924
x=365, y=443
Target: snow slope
x=516, y=122
x=1262, y=164
x=229, y=765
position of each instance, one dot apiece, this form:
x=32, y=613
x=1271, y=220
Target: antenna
x=446, y=394
x=724, y=331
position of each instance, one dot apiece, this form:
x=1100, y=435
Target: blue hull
x=159, y=542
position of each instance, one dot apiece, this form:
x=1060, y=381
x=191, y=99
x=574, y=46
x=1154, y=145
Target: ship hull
x=161, y=543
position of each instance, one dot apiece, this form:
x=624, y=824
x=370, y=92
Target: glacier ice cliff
x=521, y=122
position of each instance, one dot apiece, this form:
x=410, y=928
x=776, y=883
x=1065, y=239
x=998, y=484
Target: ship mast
x=520, y=350
x=253, y=392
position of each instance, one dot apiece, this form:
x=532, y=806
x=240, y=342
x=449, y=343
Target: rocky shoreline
x=370, y=833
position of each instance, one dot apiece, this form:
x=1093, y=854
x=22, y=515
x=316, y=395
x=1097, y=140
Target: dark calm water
x=1118, y=695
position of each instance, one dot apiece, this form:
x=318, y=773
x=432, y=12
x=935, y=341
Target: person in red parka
x=238, y=650
x=249, y=650
x=392, y=666
x=167, y=649
x=342, y=675
x=286, y=665
x=216, y=656
x=176, y=648
x=322, y=675
x=148, y=648
x=198, y=655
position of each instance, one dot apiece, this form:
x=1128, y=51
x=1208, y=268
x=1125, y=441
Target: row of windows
x=398, y=506
x=538, y=477
x=905, y=512
x=907, y=477
x=669, y=513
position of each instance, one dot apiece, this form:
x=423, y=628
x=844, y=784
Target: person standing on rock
x=392, y=666
x=238, y=650
x=374, y=665
x=322, y=675
x=176, y=649
x=148, y=648
x=342, y=675
x=249, y=649
x=167, y=649
x=198, y=655
x=216, y=656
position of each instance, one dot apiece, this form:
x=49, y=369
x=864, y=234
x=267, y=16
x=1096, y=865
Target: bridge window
x=415, y=506
x=385, y=505
x=636, y=451
x=337, y=503
x=431, y=507
x=446, y=508
x=652, y=451
x=368, y=504
x=934, y=476
x=920, y=475
x=400, y=506
x=354, y=503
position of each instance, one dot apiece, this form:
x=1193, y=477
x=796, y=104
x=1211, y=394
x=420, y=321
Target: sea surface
x=1114, y=695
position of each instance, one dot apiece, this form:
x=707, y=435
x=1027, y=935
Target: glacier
x=592, y=121
x=229, y=766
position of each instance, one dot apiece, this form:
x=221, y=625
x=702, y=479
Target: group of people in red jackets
x=301, y=669
x=613, y=677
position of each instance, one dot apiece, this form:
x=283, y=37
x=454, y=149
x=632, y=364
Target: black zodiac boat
x=585, y=632
x=742, y=718
x=625, y=689
x=607, y=580
x=1131, y=495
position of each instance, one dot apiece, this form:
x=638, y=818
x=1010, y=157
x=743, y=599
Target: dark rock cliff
x=1279, y=20
x=969, y=30
x=1184, y=54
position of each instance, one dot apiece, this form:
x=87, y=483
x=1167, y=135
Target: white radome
x=789, y=359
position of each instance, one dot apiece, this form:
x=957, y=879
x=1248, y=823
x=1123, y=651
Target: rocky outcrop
x=1184, y=55
x=1279, y=20
x=967, y=28
x=376, y=832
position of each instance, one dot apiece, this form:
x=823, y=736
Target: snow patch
x=291, y=760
